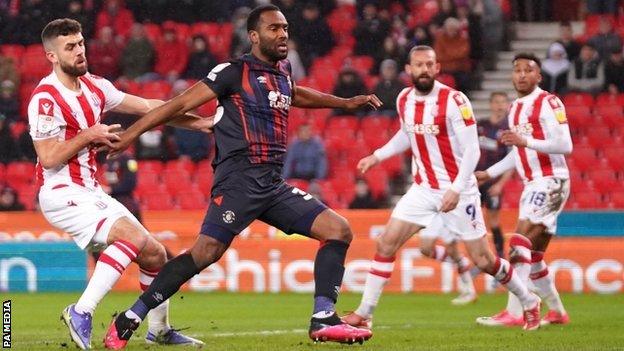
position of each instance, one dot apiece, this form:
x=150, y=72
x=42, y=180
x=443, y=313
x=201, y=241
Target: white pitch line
x=294, y=331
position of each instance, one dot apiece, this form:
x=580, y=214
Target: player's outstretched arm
x=310, y=98
x=508, y=163
x=136, y=105
x=53, y=152
x=190, y=99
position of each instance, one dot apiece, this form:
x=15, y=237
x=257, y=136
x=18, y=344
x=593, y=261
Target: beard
x=74, y=70
x=423, y=87
x=271, y=52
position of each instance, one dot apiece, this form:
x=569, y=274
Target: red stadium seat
x=592, y=23
x=615, y=157
x=2, y=172
x=150, y=166
x=204, y=177
x=19, y=173
x=362, y=64
x=129, y=86
x=374, y=141
x=183, y=164
x=617, y=199
x=147, y=181
x=176, y=180
x=394, y=166
x=606, y=99
x=584, y=158
x=191, y=200
x=157, y=201
x=377, y=180
x=14, y=51
x=374, y=124
x=603, y=180
x=578, y=99
x=159, y=89
x=350, y=123
x=579, y=116
x=27, y=195
x=598, y=136
x=611, y=115
x=587, y=199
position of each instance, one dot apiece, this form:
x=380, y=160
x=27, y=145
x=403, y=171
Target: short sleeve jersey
x=251, y=121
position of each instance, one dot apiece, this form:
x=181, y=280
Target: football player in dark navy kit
x=255, y=93
x=492, y=151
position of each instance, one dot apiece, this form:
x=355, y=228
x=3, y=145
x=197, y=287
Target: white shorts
x=421, y=206
x=437, y=230
x=86, y=215
x=542, y=200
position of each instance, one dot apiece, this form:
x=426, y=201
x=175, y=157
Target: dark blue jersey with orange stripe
x=251, y=121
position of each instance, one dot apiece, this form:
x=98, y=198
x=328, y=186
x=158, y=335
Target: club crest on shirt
x=278, y=100
x=523, y=128
x=96, y=100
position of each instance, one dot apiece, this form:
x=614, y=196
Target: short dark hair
x=254, y=15
x=528, y=56
x=419, y=48
x=60, y=27
x=498, y=93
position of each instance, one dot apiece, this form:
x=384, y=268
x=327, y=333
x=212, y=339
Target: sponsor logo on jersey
x=523, y=128
x=422, y=129
x=279, y=100
x=262, y=79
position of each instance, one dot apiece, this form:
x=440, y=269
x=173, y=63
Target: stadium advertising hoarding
x=265, y=260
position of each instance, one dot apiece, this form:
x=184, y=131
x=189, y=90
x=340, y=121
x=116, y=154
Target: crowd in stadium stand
x=156, y=48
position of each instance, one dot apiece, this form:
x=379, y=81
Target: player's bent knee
x=153, y=255
x=125, y=229
x=207, y=250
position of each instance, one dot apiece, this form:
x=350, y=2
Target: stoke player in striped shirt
x=438, y=125
x=64, y=114
x=540, y=137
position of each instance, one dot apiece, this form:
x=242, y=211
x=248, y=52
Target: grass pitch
x=229, y=321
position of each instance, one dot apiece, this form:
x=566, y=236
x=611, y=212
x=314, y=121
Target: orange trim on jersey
x=71, y=131
x=538, y=133
x=422, y=146
x=444, y=143
x=521, y=150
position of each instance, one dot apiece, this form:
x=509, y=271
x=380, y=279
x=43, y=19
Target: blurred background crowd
x=158, y=48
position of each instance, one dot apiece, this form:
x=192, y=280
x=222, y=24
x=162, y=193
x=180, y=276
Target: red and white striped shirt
x=539, y=116
x=438, y=127
x=55, y=111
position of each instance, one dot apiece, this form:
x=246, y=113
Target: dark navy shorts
x=257, y=192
